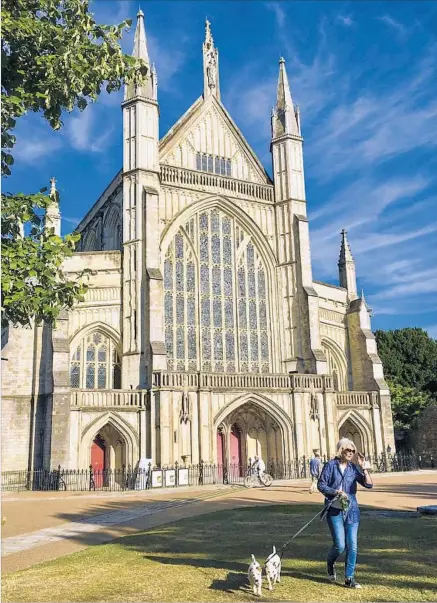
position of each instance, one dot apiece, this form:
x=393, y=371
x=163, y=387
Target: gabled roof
x=193, y=113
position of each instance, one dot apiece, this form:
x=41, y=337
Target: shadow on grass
x=199, y=562
x=233, y=582
x=393, y=552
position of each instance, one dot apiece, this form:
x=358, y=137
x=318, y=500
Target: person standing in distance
x=315, y=470
x=339, y=478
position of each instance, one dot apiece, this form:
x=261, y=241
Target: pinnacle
x=345, y=250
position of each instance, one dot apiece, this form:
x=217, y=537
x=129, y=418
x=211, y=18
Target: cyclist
x=258, y=467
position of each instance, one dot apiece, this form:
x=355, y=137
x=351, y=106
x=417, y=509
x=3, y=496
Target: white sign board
x=170, y=477
x=183, y=477
x=157, y=479
x=142, y=474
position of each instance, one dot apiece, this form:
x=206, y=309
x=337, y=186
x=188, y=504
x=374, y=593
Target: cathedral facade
x=203, y=335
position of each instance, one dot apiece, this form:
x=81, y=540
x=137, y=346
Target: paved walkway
x=52, y=526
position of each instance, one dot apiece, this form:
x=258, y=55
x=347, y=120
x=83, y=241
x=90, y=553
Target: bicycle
x=253, y=479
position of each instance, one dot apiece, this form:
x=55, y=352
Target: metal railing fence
x=128, y=478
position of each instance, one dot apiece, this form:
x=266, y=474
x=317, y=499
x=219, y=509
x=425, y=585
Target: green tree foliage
x=33, y=284
x=409, y=357
x=55, y=58
x=407, y=404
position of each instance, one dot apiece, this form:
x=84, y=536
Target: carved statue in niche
x=119, y=237
x=314, y=407
x=185, y=414
x=211, y=69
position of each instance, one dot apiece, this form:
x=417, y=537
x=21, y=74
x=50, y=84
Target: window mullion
x=82, y=380
x=109, y=366
x=247, y=298
x=258, y=322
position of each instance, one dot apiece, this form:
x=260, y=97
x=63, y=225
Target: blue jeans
x=344, y=536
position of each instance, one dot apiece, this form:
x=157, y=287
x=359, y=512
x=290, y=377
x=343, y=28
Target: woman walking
x=339, y=478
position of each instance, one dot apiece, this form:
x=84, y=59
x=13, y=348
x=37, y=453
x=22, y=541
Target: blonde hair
x=344, y=443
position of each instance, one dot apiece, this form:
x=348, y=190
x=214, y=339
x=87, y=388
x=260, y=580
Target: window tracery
x=215, y=298
x=95, y=363
x=213, y=164
x=336, y=366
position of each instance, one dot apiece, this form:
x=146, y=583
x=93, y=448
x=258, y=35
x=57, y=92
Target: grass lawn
x=206, y=559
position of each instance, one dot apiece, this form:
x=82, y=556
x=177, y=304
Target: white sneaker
x=332, y=576
x=350, y=583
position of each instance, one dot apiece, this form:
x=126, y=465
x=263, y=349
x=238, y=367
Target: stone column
x=165, y=434
x=75, y=429
x=376, y=420
x=330, y=422
x=323, y=436
x=142, y=430
x=194, y=428
x=154, y=401
x=299, y=426
x=60, y=440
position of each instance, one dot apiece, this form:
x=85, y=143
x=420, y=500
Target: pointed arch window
x=337, y=366
x=215, y=298
x=95, y=363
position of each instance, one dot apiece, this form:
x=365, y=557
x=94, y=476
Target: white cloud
x=34, y=148
x=376, y=127
x=168, y=60
x=345, y=20
x=70, y=220
x=84, y=135
x=278, y=11
x=399, y=27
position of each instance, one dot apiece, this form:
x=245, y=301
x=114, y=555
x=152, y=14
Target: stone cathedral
x=203, y=335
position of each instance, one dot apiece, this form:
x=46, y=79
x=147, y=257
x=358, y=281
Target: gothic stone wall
x=85, y=423
x=103, y=298
x=26, y=389
x=198, y=437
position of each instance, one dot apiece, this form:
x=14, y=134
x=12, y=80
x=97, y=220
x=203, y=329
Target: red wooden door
x=220, y=449
x=236, y=447
x=98, y=451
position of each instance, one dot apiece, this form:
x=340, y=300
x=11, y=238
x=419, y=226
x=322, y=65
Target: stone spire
x=346, y=267
x=149, y=87
x=345, y=249
x=211, y=83
x=53, y=216
x=140, y=40
x=285, y=118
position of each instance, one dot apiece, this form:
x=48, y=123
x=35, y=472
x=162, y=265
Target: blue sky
x=365, y=77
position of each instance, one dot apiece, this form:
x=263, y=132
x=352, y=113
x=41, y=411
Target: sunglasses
x=349, y=450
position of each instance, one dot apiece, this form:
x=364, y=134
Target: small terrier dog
x=273, y=568
x=255, y=576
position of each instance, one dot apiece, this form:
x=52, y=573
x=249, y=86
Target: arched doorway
x=247, y=431
x=352, y=432
x=108, y=449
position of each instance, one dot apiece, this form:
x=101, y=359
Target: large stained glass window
x=95, y=363
x=215, y=297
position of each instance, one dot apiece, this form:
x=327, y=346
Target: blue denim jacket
x=332, y=480
x=315, y=465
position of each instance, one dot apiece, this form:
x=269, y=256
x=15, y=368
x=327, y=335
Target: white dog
x=273, y=568
x=255, y=576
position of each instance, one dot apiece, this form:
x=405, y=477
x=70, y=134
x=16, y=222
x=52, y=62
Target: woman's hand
x=360, y=459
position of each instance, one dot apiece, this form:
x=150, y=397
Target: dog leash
x=324, y=510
